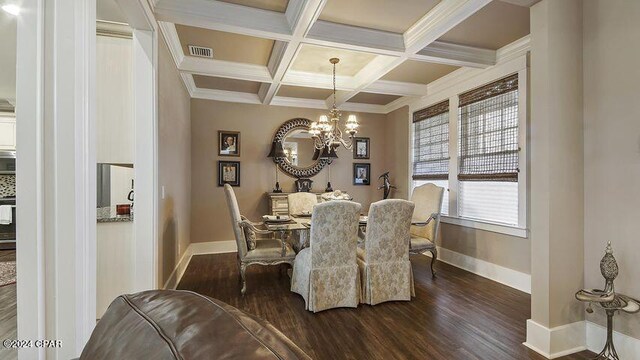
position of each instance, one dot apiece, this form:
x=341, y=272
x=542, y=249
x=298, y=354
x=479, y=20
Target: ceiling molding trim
x=397, y=88
x=113, y=29
x=365, y=108
x=437, y=22
x=457, y=55
x=322, y=81
x=187, y=79
x=373, y=71
x=349, y=37
x=514, y=50
x=221, y=16
x=225, y=69
x=301, y=14
x=398, y=103
x=228, y=96
x=172, y=40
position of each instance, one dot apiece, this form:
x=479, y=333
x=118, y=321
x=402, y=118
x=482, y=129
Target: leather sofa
x=172, y=324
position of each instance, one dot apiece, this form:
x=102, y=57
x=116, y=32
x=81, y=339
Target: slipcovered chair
x=253, y=251
x=326, y=273
x=426, y=219
x=301, y=202
x=384, y=263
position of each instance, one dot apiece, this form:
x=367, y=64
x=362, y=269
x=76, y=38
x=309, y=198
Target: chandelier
x=325, y=132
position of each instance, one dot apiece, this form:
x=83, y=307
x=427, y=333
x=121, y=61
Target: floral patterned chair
x=251, y=249
x=428, y=204
x=326, y=273
x=384, y=263
x=301, y=202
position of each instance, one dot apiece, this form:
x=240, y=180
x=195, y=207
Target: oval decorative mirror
x=299, y=149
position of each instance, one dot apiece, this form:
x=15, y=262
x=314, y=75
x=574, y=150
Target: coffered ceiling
x=276, y=51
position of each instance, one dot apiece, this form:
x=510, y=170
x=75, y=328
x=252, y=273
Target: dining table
x=285, y=226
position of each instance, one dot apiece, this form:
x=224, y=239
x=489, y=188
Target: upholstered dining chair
x=428, y=204
x=326, y=273
x=384, y=263
x=251, y=250
x=301, y=202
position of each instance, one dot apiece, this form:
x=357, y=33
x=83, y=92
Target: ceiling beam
x=222, y=16
x=300, y=14
x=437, y=22
x=441, y=52
x=442, y=18
x=355, y=38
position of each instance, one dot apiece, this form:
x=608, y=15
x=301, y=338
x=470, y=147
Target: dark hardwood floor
x=457, y=316
x=8, y=323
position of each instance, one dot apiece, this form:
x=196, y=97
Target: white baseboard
x=627, y=347
x=576, y=337
x=212, y=247
x=503, y=275
x=558, y=341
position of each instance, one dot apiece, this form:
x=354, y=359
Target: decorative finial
x=609, y=249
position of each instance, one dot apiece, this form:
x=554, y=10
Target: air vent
x=200, y=51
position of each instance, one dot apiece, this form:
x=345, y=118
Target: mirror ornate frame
x=293, y=170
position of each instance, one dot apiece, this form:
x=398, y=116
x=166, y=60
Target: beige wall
x=612, y=147
x=556, y=149
x=174, y=165
x=257, y=124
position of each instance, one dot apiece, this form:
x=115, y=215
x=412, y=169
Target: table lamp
x=277, y=152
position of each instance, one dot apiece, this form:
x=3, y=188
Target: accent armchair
x=384, y=263
x=326, y=273
x=426, y=218
x=251, y=250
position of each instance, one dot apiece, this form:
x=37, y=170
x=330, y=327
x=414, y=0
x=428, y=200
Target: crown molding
x=187, y=79
x=322, y=81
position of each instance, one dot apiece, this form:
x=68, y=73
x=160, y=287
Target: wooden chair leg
x=243, y=268
x=434, y=257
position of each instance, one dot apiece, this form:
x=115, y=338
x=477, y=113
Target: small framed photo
x=229, y=173
x=361, y=174
x=361, y=148
x=228, y=143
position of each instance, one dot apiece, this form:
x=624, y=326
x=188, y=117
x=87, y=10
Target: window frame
x=451, y=92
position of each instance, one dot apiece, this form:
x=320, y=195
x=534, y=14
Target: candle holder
x=609, y=300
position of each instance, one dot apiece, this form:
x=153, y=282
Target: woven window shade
x=489, y=132
x=431, y=142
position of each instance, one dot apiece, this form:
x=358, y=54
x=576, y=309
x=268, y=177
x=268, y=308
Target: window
x=488, y=156
x=431, y=148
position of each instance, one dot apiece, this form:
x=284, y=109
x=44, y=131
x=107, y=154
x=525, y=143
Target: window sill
x=487, y=226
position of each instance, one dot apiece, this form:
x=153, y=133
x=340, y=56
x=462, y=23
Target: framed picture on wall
x=228, y=143
x=229, y=173
x=361, y=174
x=360, y=148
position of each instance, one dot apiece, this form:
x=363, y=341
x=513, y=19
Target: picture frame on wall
x=229, y=173
x=361, y=173
x=361, y=148
x=228, y=143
